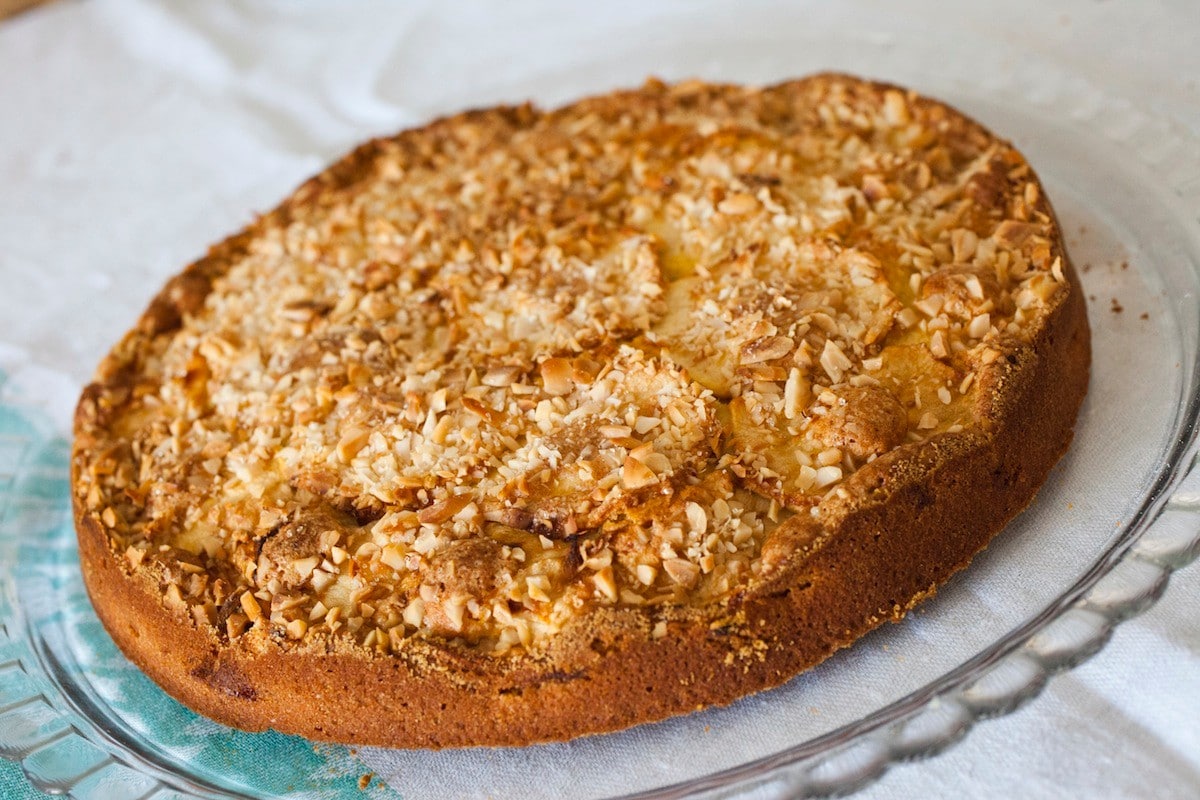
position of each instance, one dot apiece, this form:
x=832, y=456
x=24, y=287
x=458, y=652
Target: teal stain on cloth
x=56, y=647
x=15, y=786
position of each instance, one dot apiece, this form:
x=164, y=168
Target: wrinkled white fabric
x=135, y=133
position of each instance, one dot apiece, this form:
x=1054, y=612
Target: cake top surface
x=485, y=376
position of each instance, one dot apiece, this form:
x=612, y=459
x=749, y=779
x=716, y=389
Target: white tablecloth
x=81, y=83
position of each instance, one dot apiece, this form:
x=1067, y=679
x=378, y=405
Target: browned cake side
x=523, y=426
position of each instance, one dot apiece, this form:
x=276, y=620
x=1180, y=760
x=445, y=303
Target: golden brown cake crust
x=892, y=491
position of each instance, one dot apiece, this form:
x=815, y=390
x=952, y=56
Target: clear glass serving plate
x=1116, y=517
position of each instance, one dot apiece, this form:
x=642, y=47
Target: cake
x=525, y=425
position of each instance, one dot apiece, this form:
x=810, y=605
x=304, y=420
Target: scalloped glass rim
x=1126, y=578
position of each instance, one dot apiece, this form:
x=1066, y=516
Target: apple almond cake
x=526, y=425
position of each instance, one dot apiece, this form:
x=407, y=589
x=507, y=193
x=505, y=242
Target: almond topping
x=297, y=628
x=930, y=306
x=441, y=511
x=685, y=573
x=556, y=376
x=134, y=556
x=797, y=393
x=829, y=457
x=834, y=361
x=304, y=566
x=500, y=377
x=351, y=442
x=895, y=108
x=937, y=345
x=646, y=424
x=236, y=625
x=636, y=475
x=1012, y=233
x=979, y=326
x=483, y=411
x=454, y=609
x=873, y=187
x=392, y=556
x=963, y=241
x=766, y=349
x=616, y=431
x=537, y=586
x=826, y=476
x=251, y=607
x=414, y=613
x=174, y=598
x=606, y=583
x=658, y=462
x=737, y=204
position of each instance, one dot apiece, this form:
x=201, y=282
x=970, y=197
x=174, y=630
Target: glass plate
x=1114, y=519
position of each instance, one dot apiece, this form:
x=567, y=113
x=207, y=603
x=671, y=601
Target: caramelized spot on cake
x=863, y=421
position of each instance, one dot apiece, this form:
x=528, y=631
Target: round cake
x=527, y=425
